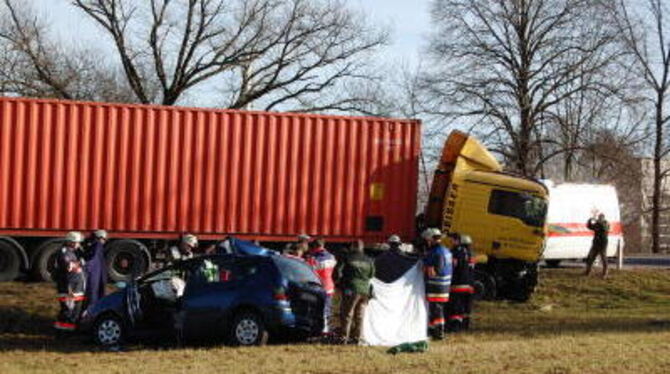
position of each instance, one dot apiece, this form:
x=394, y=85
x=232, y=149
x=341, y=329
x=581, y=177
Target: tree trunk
x=656, y=197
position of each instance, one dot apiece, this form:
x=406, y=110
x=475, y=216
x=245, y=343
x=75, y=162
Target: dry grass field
x=572, y=325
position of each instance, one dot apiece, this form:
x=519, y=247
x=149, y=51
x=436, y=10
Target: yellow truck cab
x=504, y=215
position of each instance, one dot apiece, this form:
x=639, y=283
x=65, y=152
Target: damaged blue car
x=240, y=299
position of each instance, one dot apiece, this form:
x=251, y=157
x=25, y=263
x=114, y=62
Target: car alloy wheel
x=247, y=331
x=109, y=331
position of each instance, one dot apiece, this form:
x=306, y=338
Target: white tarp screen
x=399, y=312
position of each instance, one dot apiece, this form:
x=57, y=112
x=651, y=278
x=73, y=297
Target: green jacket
x=355, y=273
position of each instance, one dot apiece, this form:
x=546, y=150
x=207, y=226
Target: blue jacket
x=437, y=286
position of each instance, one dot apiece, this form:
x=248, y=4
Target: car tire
x=553, y=264
x=248, y=329
x=108, y=330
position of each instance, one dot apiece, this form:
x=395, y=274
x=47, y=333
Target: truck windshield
x=530, y=209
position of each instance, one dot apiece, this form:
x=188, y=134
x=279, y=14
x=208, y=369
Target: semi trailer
x=148, y=174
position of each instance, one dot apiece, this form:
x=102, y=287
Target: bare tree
x=506, y=63
x=32, y=64
x=646, y=35
x=270, y=51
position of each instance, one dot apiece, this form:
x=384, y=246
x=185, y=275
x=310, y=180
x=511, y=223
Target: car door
x=207, y=298
x=155, y=315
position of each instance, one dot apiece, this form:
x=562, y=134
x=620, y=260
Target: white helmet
x=74, y=237
x=431, y=233
x=466, y=239
x=190, y=240
x=394, y=239
x=100, y=234
x=304, y=237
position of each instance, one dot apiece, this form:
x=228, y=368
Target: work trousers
x=459, y=309
x=327, y=313
x=70, y=310
x=597, y=250
x=436, y=319
x=351, y=314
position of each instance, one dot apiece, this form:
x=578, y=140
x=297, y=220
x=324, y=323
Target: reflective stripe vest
x=462, y=278
x=323, y=263
x=437, y=285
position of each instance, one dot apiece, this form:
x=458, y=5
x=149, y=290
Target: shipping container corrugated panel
x=156, y=172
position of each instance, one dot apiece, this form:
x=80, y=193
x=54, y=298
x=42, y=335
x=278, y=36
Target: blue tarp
x=238, y=246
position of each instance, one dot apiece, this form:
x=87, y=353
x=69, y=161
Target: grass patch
x=571, y=325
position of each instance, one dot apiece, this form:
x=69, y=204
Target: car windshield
x=295, y=271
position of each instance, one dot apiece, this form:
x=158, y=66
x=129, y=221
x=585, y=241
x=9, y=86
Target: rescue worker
x=437, y=267
x=394, y=243
x=291, y=251
x=600, y=228
x=462, y=289
x=70, y=282
x=354, y=275
x=95, y=268
x=323, y=263
x=184, y=251
x=302, y=245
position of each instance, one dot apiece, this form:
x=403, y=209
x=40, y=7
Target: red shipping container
x=156, y=172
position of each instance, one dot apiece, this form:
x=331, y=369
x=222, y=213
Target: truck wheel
x=552, y=263
x=126, y=259
x=10, y=262
x=248, y=329
x=45, y=261
x=485, y=287
x=520, y=290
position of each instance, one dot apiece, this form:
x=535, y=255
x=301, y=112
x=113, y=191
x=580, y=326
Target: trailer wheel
x=485, y=286
x=10, y=262
x=45, y=261
x=126, y=259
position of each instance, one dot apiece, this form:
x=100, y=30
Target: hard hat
x=304, y=237
x=100, y=234
x=74, y=237
x=466, y=239
x=190, y=240
x=431, y=233
x=394, y=239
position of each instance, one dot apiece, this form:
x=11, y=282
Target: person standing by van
x=600, y=228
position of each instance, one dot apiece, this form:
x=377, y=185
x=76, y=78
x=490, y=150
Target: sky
x=408, y=20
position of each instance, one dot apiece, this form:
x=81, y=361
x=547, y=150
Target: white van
x=570, y=206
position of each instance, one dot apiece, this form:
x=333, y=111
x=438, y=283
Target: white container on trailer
x=570, y=206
